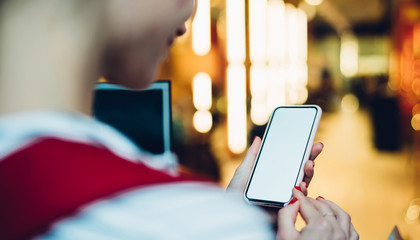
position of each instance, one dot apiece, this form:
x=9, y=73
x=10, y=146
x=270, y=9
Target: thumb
x=251, y=155
x=242, y=173
x=286, y=222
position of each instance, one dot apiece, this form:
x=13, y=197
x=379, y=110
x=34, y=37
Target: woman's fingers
x=303, y=188
x=309, y=171
x=250, y=156
x=309, y=165
x=353, y=234
x=286, y=222
x=307, y=209
x=343, y=219
x=242, y=173
x=325, y=216
x=316, y=150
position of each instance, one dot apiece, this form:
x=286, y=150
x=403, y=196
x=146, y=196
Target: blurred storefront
x=359, y=60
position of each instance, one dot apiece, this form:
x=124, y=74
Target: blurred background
x=359, y=60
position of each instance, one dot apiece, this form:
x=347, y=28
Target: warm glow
x=202, y=93
x=292, y=26
x=276, y=31
x=276, y=92
x=257, y=30
x=313, y=2
x=309, y=10
x=258, y=81
x=287, y=55
x=349, y=55
x=302, y=35
x=258, y=85
x=202, y=121
x=350, y=103
x=416, y=39
x=259, y=113
x=415, y=122
x=413, y=213
x=235, y=29
x=416, y=86
x=201, y=32
x=236, y=87
x=416, y=109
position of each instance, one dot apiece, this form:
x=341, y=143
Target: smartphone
x=285, y=148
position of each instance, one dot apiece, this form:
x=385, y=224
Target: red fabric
x=52, y=179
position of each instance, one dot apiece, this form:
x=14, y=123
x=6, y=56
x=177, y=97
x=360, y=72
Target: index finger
x=343, y=218
x=309, y=165
x=316, y=150
x=307, y=209
x=286, y=221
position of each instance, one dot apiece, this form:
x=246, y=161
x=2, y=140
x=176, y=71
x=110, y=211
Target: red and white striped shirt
x=57, y=170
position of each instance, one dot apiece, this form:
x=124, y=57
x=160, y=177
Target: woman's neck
x=47, y=59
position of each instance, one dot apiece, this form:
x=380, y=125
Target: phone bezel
x=308, y=147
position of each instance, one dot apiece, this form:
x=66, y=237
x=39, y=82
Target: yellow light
x=258, y=81
x=302, y=74
x=202, y=93
x=302, y=95
x=236, y=87
x=201, y=32
x=257, y=30
x=416, y=86
x=258, y=85
x=276, y=92
x=313, y=2
x=413, y=213
x=235, y=29
x=202, y=121
x=349, y=55
x=292, y=26
x=309, y=10
x=302, y=35
x=350, y=103
x=415, y=122
x=287, y=53
x=259, y=113
x=293, y=96
x=416, y=109
x=276, y=31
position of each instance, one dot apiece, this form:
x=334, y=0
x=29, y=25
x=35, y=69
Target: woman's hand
x=324, y=220
x=239, y=180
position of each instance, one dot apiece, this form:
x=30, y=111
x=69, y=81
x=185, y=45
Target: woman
x=64, y=175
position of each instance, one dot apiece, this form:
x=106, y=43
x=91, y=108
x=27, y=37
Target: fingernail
x=322, y=145
x=320, y=197
x=306, y=185
x=254, y=139
x=293, y=201
x=313, y=163
x=298, y=188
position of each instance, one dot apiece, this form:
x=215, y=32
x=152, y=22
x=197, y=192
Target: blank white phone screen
x=282, y=153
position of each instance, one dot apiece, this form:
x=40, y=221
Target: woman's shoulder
x=22, y=129
x=184, y=210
